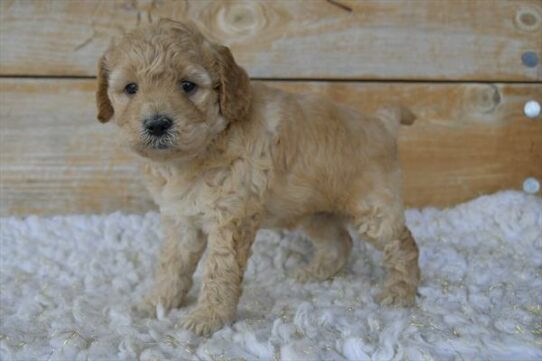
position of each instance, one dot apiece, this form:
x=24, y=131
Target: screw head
x=531, y=185
x=531, y=109
x=529, y=59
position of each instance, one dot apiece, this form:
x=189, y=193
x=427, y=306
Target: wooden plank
x=470, y=139
x=54, y=157
x=432, y=39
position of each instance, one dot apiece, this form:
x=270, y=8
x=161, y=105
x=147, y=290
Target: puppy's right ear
x=105, y=109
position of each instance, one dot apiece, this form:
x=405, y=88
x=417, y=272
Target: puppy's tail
x=394, y=115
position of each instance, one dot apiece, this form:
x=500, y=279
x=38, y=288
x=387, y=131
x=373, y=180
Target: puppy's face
x=170, y=90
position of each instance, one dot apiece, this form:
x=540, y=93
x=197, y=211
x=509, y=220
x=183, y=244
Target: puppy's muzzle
x=157, y=125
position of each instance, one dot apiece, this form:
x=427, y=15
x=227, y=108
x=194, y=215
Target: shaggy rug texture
x=69, y=285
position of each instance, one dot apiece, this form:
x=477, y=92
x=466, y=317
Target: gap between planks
x=331, y=80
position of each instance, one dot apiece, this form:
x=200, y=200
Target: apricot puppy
x=225, y=157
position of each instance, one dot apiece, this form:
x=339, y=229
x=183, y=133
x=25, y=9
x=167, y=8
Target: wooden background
x=457, y=64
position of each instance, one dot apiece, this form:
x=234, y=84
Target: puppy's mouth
x=159, y=142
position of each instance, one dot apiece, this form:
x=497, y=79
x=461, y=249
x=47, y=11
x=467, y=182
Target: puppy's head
x=170, y=90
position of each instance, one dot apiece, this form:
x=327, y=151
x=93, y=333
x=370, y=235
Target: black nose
x=157, y=125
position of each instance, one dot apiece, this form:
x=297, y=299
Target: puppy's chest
x=210, y=195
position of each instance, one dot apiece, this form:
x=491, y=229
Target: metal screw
x=529, y=59
x=531, y=109
x=531, y=185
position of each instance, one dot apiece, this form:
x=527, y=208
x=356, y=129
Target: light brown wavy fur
x=243, y=156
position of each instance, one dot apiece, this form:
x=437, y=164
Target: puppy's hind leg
x=332, y=247
x=401, y=257
x=382, y=224
x=182, y=249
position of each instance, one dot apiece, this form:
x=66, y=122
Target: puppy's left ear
x=105, y=109
x=234, y=86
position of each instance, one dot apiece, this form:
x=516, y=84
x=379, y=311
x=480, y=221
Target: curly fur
x=242, y=156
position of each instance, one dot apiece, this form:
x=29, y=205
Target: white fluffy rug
x=68, y=284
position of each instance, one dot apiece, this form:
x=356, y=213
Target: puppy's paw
x=167, y=299
x=204, y=321
x=312, y=274
x=145, y=308
x=318, y=270
x=302, y=275
x=401, y=295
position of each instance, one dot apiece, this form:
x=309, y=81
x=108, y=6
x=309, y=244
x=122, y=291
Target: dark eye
x=188, y=87
x=131, y=88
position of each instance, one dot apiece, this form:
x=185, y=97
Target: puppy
x=225, y=157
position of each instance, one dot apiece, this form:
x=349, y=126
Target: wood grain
x=427, y=40
x=470, y=139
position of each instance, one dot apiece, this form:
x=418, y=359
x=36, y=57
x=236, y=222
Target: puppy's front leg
x=182, y=249
x=228, y=254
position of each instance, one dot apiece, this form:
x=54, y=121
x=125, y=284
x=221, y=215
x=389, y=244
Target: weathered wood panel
x=432, y=39
x=54, y=159
x=469, y=139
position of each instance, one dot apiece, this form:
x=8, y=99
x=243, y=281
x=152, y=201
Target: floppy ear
x=105, y=109
x=233, y=88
